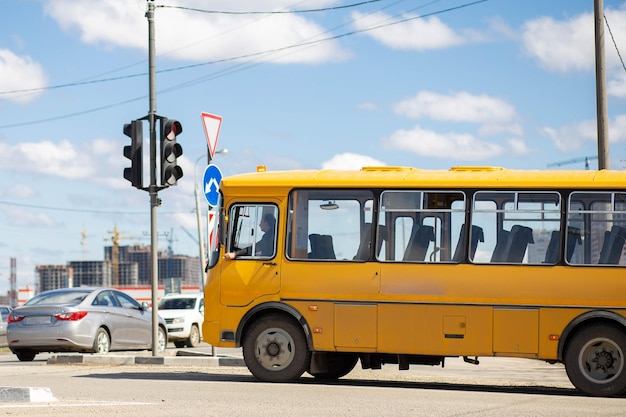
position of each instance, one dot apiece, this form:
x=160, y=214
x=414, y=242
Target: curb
x=208, y=361
x=26, y=395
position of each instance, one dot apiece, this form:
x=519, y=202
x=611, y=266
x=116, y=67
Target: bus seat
x=573, y=239
x=552, y=253
x=321, y=247
x=519, y=238
x=477, y=236
x=499, y=250
x=363, y=253
x=420, y=239
x=613, y=244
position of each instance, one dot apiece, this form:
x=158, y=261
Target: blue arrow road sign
x=212, y=178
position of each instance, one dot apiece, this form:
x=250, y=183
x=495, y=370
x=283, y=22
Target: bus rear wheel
x=594, y=360
x=275, y=349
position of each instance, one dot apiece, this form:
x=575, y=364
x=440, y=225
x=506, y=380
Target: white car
x=184, y=315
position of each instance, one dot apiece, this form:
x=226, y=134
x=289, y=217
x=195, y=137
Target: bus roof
x=405, y=177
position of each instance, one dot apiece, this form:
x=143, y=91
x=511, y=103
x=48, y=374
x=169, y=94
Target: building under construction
x=132, y=267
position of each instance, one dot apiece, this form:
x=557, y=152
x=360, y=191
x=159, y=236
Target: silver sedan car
x=81, y=319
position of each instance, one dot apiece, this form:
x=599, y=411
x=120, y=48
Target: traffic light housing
x=134, y=152
x=170, y=151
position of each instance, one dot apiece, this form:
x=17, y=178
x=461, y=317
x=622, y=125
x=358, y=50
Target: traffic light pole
x=153, y=190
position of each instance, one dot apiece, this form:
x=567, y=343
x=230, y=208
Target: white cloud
x=20, y=73
x=349, y=160
x=571, y=137
x=205, y=36
x=494, y=114
x=451, y=145
x=28, y=218
x=60, y=159
x=569, y=44
x=98, y=161
x=561, y=45
x=367, y=105
x=617, y=86
x=456, y=107
x=518, y=146
x=20, y=191
x=417, y=34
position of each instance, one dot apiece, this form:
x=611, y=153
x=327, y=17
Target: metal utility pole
x=601, y=100
x=153, y=190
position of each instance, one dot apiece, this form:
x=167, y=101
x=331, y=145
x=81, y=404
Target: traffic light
x=170, y=150
x=134, y=174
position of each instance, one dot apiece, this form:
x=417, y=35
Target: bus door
x=251, y=270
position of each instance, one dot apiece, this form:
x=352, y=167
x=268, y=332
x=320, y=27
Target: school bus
x=398, y=265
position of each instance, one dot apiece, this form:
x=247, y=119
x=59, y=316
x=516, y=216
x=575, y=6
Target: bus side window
x=253, y=231
x=326, y=224
x=596, y=228
x=522, y=227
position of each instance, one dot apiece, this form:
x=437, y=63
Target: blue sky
x=428, y=84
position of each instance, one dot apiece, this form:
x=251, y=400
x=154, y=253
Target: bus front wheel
x=594, y=360
x=275, y=349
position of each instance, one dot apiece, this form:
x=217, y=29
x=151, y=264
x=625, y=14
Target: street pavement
x=202, y=356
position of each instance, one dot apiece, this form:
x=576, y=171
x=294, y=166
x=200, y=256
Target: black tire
x=102, y=341
x=595, y=362
x=179, y=344
x=339, y=364
x=194, y=336
x=25, y=355
x=275, y=349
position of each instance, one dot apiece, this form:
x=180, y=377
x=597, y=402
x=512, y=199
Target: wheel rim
x=103, y=342
x=601, y=360
x=161, y=342
x=274, y=349
x=194, y=338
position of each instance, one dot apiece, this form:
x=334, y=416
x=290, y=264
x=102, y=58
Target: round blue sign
x=211, y=184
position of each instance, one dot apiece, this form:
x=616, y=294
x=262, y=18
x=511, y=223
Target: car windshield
x=66, y=298
x=177, y=304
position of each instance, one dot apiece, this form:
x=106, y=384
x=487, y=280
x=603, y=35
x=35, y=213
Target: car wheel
x=179, y=344
x=161, y=339
x=25, y=355
x=102, y=342
x=595, y=360
x=275, y=349
x=194, y=336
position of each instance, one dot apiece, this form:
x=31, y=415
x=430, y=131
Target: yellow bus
x=317, y=270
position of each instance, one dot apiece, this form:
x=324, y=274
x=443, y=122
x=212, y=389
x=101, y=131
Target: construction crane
x=83, y=243
x=115, y=253
x=585, y=159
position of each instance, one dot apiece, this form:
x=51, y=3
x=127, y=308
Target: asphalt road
x=496, y=387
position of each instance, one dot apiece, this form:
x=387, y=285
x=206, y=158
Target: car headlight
x=178, y=320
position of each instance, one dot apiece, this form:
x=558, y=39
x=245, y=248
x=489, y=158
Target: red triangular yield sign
x=212, y=124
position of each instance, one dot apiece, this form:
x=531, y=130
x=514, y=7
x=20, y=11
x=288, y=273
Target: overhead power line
x=228, y=71
x=73, y=210
x=143, y=74
x=614, y=43
x=324, y=9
